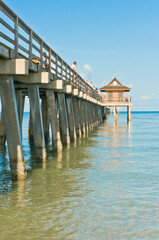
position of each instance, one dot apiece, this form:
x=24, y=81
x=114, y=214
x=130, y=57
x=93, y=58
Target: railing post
x=66, y=73
x=30, y=47
x=41, y=55
x=56, y=66
x=49, y=60
x=62, y=69
x=16, y=36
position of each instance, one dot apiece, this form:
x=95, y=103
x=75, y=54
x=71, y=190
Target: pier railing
x=25, y=43
x=116, y=100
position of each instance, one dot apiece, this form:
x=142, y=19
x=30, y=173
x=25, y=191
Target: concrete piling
x=64, y=127
x=115, y=114
x=12, y=128
x=45, y=117
x=20, y=98
x=36, y=119
x=71, y=117
x=52, y=114
x=81, y=116
x=2, y=130
x=84, y=117
x=129, y=117
x=76, y=115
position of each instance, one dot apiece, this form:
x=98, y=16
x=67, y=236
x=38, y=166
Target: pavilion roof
x=115, y=85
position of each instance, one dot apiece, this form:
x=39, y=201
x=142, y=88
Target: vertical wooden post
x=45, y=117
x=129, y=117
x=20, y=106
x=30, y=48
x=81, y=116
x=49, y=60
x=56, y=73
x=52, y=112
x=91, y=115
x=2, y=129
x=63, y=119
x=12, y=128
x=41, y=56
x=71, y=118
x=76, y=112
x=16, y=36
x=115, y=114
x=36, y=119
x=86, y=116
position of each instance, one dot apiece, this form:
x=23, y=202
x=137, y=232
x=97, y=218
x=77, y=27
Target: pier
x=58, y=96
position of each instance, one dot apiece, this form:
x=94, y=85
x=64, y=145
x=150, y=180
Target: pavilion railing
x=123, y=100
x=25, y=43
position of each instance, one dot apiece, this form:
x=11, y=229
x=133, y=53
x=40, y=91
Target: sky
x=103, y=36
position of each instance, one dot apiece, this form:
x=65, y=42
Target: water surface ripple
x=105, y=186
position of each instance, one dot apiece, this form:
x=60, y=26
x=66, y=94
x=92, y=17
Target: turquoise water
x=105, y=186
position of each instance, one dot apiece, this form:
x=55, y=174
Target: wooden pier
x=30, y=68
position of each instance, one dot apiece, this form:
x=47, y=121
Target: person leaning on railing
x=74, y=69
x=74, y=66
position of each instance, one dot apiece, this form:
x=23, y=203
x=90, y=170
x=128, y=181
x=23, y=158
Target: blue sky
x=103, y=36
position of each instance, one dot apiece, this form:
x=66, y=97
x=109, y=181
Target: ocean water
x=106, y=186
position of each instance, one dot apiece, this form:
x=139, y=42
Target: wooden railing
x=124, y=100
x=16, y=35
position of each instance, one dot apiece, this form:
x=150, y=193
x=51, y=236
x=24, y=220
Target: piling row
x=59, y=97
x=69, y=116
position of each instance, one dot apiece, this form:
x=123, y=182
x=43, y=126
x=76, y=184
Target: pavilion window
x=110, y=96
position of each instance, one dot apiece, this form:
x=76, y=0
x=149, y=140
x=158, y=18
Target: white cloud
x=88, y=68
x=147, y=97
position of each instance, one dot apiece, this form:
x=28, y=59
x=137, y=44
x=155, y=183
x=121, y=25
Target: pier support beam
x=71, y=120
x=129, y=117
x=20, y=106
x=45, y=116
x=86, y=116
x=63, y=119
x=36, y=119
x=30, y=129
x=90, y=115
x=81, y=116
x=76, y=114
x=115, y=114
x=52, y=113
x=2, y=130
x=12, y=128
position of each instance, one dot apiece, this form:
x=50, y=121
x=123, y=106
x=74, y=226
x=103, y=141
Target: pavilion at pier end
x=117, y=96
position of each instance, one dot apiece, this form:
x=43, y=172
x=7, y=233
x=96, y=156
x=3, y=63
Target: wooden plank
x=23, y=49
x=6, y=25
x=23, y=38
x=7, y=38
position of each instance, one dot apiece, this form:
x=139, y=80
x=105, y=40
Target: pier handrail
x=27, y=44
x=118, y=100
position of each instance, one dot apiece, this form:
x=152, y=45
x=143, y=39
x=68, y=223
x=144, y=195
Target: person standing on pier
x=74, y=66
x=74, y=69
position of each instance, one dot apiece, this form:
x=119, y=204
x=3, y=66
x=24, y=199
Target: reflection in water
x=104, y=188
